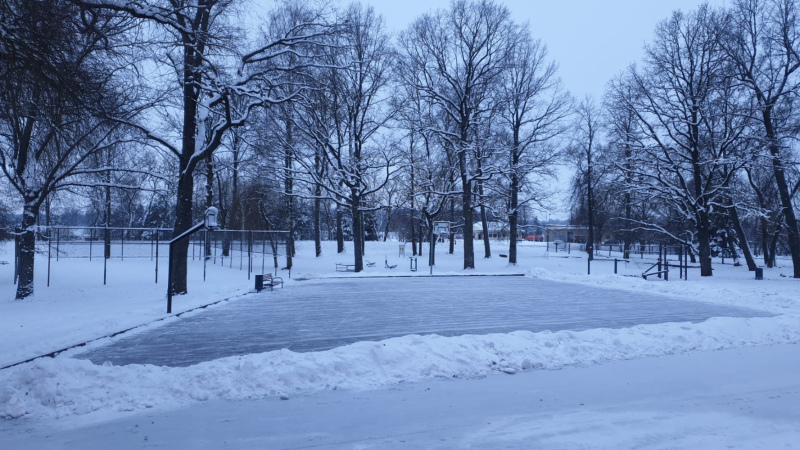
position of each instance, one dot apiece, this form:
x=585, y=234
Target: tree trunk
x=192, y=77
x=388, y=218
x=704, y=244
x=452, y=248
x=235, y=207
x=209, y=197
x=358, y=232
x=487, y=250
x=628, y=238
x=339, y=231
x=765, y=242
x=183, y=221
x=590, y=204
x=466, y=202
x=773, y=249
x=742, y=238
x=512, y=220
x=316, y=219
x=288, y=182
x=107, y=212
x=466, y=208
x=27, y=250
x=793, y=235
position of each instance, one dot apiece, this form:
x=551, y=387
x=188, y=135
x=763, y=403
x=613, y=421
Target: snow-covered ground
x=74, y=399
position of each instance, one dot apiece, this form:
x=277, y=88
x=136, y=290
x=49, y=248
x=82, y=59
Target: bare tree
x=762, y=38
x=690, y=113
x=534, y=107
x=343, y=116
x=585, y=151
x=59, y=102
x=460, y=53
x=200, y=47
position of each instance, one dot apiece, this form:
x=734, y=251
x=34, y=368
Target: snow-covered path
x=325, y=314
x=737, y=398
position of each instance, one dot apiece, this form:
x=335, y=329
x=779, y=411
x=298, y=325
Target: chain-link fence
x=250, y=250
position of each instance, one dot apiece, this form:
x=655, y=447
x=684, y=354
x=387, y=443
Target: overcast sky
x=591, y=40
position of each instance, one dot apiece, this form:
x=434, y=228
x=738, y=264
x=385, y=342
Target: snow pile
x=64, y=386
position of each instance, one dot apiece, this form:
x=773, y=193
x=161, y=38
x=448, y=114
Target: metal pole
x=49, y=246
x=686, y=263
x=588, y=264
x=58, y=242
x=122, y=249
x=659, y=258
x=157, y=244
x=169, y=280
x=106, y=239
x=91, y=238
x=205, y=252
x=250, y=253
x=16, y=253
x=615, y=266
x=430, y=252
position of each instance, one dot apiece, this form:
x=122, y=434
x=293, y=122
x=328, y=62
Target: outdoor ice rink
x=319, y=315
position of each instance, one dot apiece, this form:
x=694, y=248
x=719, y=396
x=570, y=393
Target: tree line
x=698, y=139
x=323, y=124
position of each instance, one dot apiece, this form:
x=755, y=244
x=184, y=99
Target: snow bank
x=65, y=386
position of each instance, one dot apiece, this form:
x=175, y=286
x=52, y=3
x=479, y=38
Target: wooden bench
x=345, y=267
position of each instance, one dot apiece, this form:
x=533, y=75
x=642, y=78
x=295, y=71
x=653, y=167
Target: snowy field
x=658, y=383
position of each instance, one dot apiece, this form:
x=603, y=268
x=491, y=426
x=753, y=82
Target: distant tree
x=460, y=54
x=762, y=39
x=533, y=108
x=692, y=117
x=343, y=115
x=219, y=85
x=60, y=103
x=585, y=151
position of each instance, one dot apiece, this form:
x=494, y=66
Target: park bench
x=268, y=280
x=345, y=267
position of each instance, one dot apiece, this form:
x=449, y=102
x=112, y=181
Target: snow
x=72, y=394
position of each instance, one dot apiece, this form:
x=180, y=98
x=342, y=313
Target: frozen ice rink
x=324, y=314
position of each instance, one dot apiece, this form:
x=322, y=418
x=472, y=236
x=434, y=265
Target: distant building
x=574, y=233
x=497, y=231
x=566, y=233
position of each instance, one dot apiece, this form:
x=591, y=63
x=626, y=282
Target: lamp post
x=209, y=223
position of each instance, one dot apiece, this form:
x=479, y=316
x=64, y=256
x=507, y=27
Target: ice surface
x=324, y=314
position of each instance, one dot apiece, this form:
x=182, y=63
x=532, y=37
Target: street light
x=211, y=218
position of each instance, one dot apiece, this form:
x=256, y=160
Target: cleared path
x=324, y=314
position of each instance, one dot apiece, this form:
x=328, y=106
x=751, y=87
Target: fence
x=244, y=247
